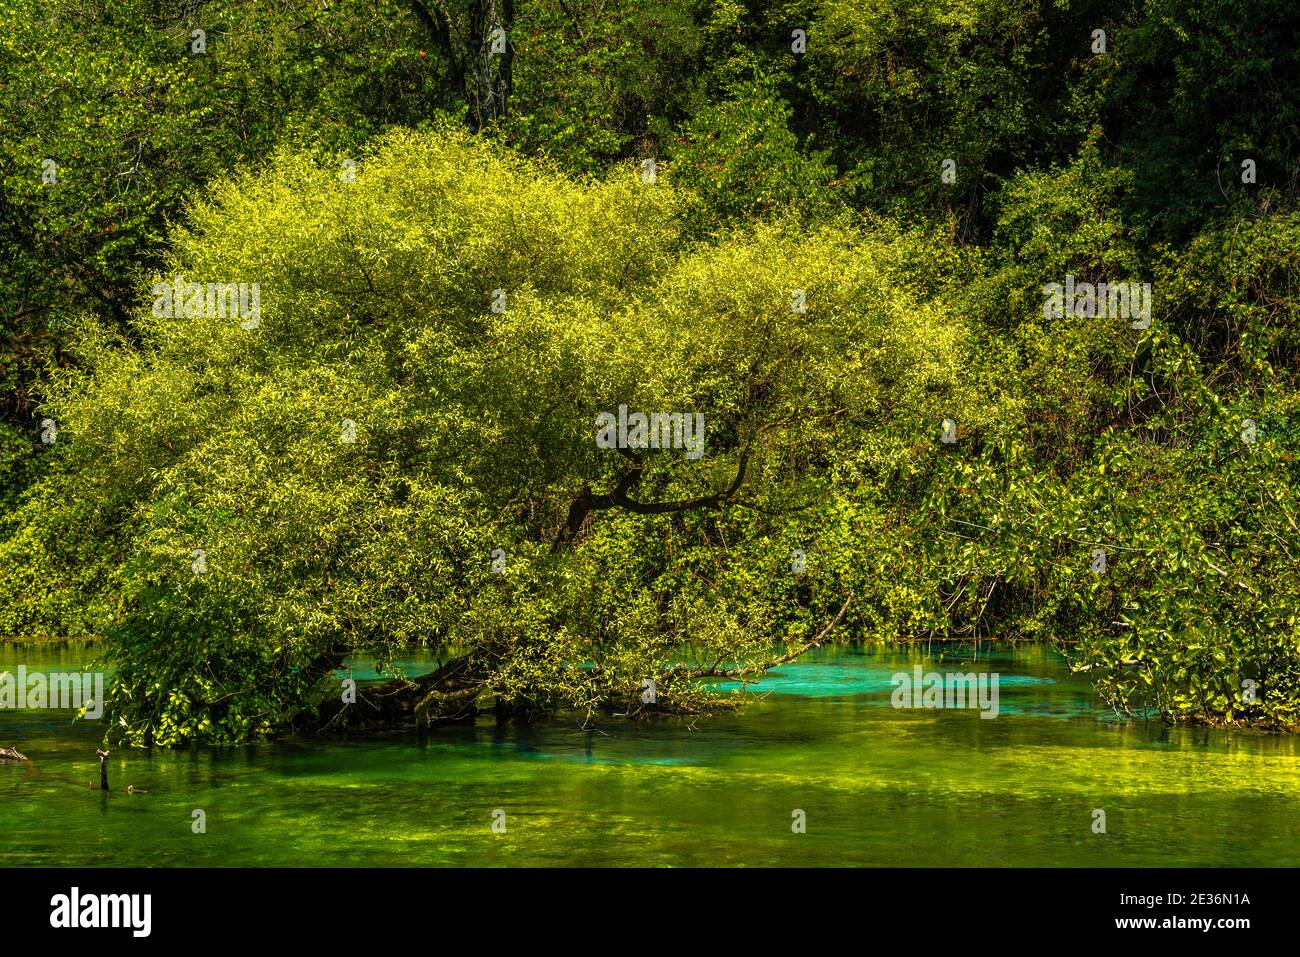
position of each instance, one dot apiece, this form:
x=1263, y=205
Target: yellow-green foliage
x=474, y=430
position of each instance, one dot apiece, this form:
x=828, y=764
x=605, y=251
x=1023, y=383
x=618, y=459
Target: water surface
x=878, y=785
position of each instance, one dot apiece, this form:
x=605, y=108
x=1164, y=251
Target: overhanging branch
x=715, y=672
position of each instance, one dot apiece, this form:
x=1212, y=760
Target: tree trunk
x=480, y=74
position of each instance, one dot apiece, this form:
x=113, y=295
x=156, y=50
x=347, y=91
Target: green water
x=878, y=785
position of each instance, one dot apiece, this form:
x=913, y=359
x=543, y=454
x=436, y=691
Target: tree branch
x=715, y=672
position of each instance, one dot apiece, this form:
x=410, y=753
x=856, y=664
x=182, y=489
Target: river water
x=877, y=785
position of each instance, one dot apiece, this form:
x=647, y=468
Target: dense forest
x=318, y=316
